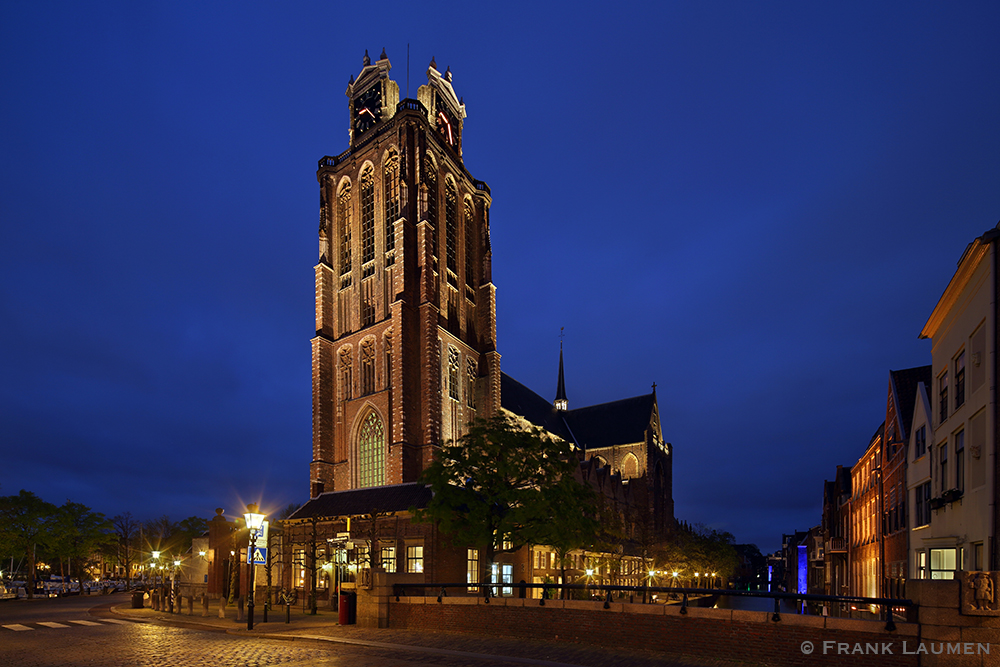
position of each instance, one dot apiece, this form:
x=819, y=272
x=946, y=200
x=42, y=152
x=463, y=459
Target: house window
x=943, y=562
x=453, y=361
x=943, y=396
x=503, y=573
x=472, y=568
x=960, y=379
x=371, y=452
x=922, y=501
x=960, y=460
x=415, y=559
x=920, y=442
x=922, y=564
x=977, y=556
x=389, y=559
x=943, y=458
x=391, y=185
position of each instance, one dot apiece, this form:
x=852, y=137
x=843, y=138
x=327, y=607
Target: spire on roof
x=561, y=403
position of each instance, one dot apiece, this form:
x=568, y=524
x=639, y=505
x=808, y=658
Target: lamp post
x=254, y=523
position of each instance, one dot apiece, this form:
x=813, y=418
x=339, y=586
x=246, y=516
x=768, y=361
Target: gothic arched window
x=630, y=466
x=391, y=198
x=371, y=452
x=472, y=372
x=430, y=179
x=453, y=362
x=344, y=233
x=367, y=221
x=470, y=244
x=450, y=226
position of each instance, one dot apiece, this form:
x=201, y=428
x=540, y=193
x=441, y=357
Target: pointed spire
x=351, y=81
x=561, y=403
x=435, y=66
x=383, y=56
x=367, y=61
x=447, y=73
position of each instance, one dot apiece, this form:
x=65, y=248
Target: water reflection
x=747, y=603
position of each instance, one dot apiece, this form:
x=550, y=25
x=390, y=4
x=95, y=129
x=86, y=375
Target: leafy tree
x=25, y=523
x=78, y=534
x=501, y=487
x=189, y=529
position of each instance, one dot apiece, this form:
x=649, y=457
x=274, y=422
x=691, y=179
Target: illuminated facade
x=405, y=348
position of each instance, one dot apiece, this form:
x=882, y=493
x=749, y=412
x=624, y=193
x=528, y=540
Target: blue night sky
x=754, y=205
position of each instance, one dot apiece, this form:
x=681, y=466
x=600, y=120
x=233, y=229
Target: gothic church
x=404, y=354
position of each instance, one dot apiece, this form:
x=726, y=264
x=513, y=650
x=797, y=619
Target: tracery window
x=453, y=361
x=430, y=178
x=450, y=224
x=344, y=235
x=368, y=366
x=391, y=185
x=471, y=373
x=371, y=452
x=345, y=373
x=368, y=221
x=630, y=466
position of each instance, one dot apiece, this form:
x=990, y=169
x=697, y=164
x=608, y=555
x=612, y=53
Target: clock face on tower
x=446, y=125
x=368, y=108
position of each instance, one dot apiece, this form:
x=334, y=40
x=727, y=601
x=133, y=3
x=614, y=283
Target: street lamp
x=254, y=523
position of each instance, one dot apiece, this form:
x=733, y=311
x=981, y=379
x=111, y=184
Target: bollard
x=204, y=605
x=222, y=607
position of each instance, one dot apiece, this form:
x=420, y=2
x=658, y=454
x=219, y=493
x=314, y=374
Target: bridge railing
x=888, y=606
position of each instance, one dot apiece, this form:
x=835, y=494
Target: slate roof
x=905, y=390
x=395, y=498
x=603, y=425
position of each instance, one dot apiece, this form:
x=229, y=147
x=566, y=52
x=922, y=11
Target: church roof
x=355, y=502
x=602, y=425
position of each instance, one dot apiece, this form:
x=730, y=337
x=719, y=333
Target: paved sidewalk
x=324, y=627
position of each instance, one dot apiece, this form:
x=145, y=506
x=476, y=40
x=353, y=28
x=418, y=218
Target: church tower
x=404, y=355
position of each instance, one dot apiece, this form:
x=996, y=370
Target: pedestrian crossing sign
x=259, y=556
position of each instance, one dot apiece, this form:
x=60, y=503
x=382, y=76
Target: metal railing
x=887, y=605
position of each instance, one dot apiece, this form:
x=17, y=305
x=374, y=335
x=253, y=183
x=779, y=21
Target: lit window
x=371, y=452
x=415, y=559
x=943, y=563
x=389, y=559
x=472, y=568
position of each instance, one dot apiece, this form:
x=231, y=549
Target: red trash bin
x=347, y=608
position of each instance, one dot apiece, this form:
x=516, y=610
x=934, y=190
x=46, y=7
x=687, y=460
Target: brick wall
x=701, y=634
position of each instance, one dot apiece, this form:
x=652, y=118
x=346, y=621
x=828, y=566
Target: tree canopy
x=501, y=486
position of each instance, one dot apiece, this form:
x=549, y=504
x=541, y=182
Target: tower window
x=430, y=178
x=453, y=360
x=371, y=452
x=344, y=222
x=470, y=245
x=470, y=390
x=391, y=184
x=368, y=221
x=451, y=231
